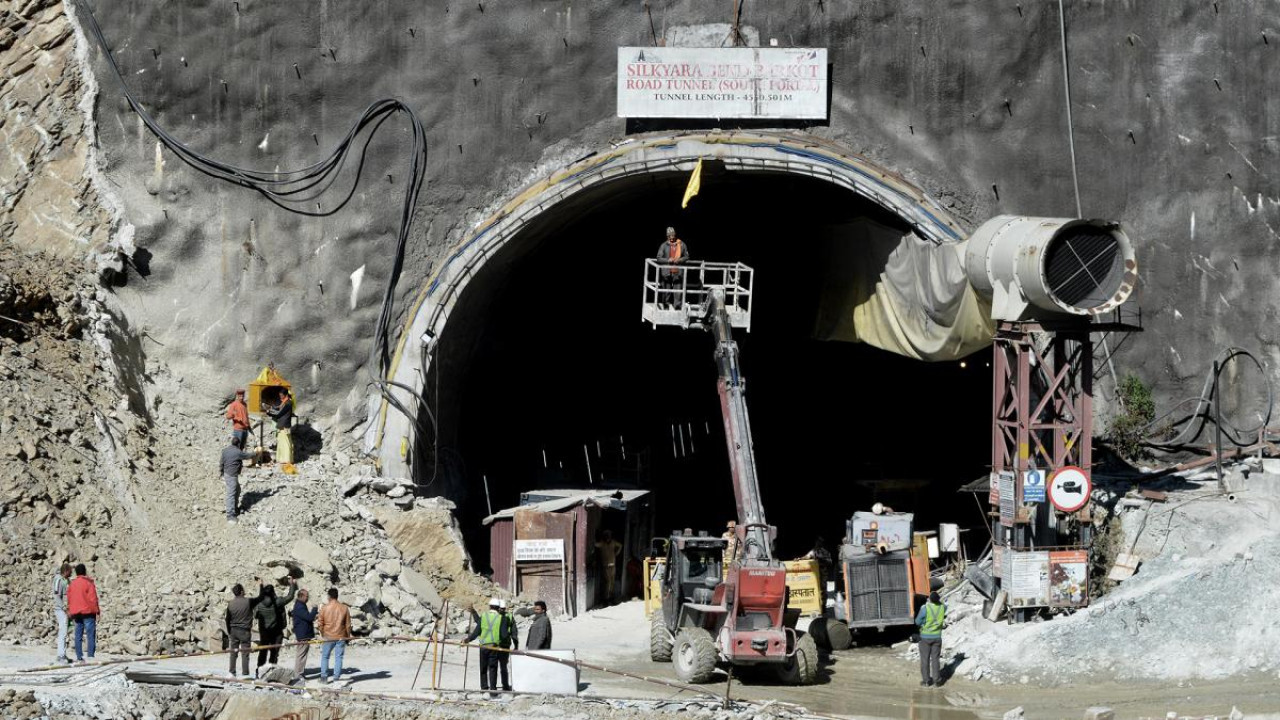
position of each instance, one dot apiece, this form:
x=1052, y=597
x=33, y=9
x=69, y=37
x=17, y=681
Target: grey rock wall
x=1176, y=107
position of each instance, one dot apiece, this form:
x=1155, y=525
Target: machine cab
x=694, y=567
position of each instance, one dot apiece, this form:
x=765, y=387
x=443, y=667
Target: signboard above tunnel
x=712, y=83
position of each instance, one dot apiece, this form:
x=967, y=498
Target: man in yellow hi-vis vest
x=931, y=618
x=496, y=632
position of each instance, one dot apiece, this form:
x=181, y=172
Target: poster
x=1069, y=578
x=1008, y=499
x=1028, y=583
x=729, y=82
x=993, y=489
x=997, y=561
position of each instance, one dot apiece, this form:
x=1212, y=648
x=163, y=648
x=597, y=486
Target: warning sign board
x=1033, y=485
x=1069, y=489
x=539, y=550
x=1069, y=578
x=1008, y=498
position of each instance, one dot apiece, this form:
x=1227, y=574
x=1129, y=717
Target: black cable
x=1192, y=429
x=286, y=188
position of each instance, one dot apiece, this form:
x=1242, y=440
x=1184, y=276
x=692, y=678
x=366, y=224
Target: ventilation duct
x=1038, y=268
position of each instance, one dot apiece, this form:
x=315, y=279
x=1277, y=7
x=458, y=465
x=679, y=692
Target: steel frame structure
x=1042, y=399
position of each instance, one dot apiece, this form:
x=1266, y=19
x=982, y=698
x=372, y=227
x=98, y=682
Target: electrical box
x=881, y=533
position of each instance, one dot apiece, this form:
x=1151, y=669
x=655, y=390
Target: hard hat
x=671, y=231
x=878, y=508
x=495, y=602
x=502, y=604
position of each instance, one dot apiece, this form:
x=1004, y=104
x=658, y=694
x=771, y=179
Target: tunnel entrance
x=546, y=373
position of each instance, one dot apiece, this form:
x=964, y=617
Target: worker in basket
x=674, y=252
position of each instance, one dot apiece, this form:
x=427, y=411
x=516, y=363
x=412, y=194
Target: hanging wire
x=289, y=189
x=1194, y=423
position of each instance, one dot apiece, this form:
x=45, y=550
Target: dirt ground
x=869, y=682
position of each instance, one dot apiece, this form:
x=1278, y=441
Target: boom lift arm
x=744, y=621
x=756, y=541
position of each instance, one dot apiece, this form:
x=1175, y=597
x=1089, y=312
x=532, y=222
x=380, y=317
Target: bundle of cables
x=293, y=190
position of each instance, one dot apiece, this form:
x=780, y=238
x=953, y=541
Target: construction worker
x=822, y=555
x=674, y=252
x=272, y=621
x=731, y=546
x=609, y=550
x=282, y=413
x=82, y=606
x=930, y=619
x=334, y=626
x=495, y=631
x=540, y=630
x=230, y=466
x=60, y=584
x=238, y=415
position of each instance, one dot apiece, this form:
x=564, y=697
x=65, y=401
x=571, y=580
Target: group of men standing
x=332, y=622
x=496, y=631
x=76, y=601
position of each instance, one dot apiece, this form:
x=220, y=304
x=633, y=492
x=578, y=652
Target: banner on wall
x=729, y=82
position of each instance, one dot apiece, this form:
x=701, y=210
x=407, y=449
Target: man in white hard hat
x=496, y=632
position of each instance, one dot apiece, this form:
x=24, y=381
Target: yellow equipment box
x=804, y=584
x=653, y=569
x=268, y=386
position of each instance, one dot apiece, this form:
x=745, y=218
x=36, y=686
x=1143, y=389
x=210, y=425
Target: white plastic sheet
x=900, y=293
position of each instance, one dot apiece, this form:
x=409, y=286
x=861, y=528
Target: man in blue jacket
x=304, y=629
x=930, y=619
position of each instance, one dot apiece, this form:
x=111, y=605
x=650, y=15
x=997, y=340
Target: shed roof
x=562, y=500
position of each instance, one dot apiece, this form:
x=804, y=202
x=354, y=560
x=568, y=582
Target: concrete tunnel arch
x=389, y=434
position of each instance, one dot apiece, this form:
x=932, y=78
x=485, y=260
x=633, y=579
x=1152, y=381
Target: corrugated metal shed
x=561, y=500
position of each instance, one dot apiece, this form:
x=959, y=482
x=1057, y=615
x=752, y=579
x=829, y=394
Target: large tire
x=802, y=667
x=694, y=655
x=830, y=634
x=838, y=635
x=659, y=639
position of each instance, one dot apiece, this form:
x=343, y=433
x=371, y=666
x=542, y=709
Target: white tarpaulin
x=900, y=293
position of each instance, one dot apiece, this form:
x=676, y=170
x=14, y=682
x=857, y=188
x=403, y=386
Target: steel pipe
x=1033, y=268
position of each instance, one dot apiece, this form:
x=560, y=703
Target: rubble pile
x=1204, y=555
x=103, y=461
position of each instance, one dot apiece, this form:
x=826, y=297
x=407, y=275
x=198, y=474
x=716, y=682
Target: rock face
x=48, y=177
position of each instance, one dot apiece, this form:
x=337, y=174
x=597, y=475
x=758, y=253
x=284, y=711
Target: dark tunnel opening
x=545, y=367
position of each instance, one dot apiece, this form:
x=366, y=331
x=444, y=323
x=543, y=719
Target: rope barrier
x=701, y=692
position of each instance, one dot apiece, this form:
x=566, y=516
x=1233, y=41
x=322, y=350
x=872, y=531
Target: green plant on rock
x=1127, y=432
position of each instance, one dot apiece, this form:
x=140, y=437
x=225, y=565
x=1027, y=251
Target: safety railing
x=677, y=293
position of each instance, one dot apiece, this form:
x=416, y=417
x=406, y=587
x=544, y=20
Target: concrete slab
x=530, y=674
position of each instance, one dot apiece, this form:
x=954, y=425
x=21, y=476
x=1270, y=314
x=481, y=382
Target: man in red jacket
x=82, y=607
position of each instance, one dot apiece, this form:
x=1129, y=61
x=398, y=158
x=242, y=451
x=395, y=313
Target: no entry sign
x=1069, y=489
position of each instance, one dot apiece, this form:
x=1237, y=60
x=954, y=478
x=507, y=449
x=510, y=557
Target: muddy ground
x=878, y=681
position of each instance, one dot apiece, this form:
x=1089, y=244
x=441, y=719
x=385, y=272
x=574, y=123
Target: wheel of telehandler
x=659, y=639
x=830, y=634
x=802, y=667
x=694, y=655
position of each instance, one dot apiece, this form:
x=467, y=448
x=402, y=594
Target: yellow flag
x=695, y=184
